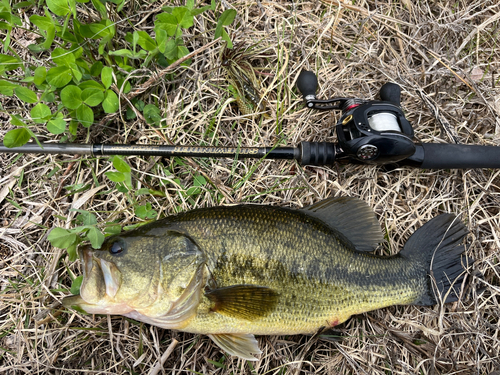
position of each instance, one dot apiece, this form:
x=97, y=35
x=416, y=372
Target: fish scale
x=300, y=258
x=239, y=271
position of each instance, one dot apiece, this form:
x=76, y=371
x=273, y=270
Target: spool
x=384, y=121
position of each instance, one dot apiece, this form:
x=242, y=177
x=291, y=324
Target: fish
x=234, y=272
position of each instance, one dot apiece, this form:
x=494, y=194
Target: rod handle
x=453, y=156
x=317, y=153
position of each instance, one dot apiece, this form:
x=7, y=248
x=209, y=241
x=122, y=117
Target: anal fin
x=240, y=345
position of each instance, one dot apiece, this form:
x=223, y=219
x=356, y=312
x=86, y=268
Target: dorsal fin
x=350, y=216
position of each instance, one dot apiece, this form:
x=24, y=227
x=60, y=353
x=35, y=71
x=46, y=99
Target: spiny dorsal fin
x=240, y=345
x=247, y=302
x=350, y=216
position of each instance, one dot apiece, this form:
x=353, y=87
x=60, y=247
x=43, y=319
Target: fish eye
x=116, y=248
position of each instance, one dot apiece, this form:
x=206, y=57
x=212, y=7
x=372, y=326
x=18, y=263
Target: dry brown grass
x=446, y=57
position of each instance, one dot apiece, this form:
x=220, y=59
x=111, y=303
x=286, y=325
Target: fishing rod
x=369, y=132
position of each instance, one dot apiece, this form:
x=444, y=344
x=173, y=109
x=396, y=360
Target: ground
x=446, y=58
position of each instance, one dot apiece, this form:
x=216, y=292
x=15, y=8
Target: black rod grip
x=317, y=153
x=391, y=92
x=307, y=83
x=453, y=156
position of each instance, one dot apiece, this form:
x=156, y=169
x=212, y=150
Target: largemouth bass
x=235, y=272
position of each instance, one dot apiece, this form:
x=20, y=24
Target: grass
x=354, y=49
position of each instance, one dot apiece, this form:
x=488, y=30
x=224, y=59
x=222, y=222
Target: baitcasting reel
x=369, y=131
x=377, y=132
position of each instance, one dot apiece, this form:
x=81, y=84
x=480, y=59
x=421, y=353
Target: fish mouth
x=93, y=264
x=100, y=284
x=86, y=259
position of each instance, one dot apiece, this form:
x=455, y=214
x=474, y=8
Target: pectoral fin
x=247, y=302
x=240, y=345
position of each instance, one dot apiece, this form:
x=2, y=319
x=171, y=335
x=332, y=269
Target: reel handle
x=307, y=83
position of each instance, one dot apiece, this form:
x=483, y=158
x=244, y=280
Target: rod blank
x=153, y=150
x=49, y=148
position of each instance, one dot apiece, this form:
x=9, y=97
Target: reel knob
x=307, y=83
x=391, y=92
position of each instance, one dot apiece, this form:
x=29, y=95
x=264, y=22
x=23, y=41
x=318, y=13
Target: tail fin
x=438, y=247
